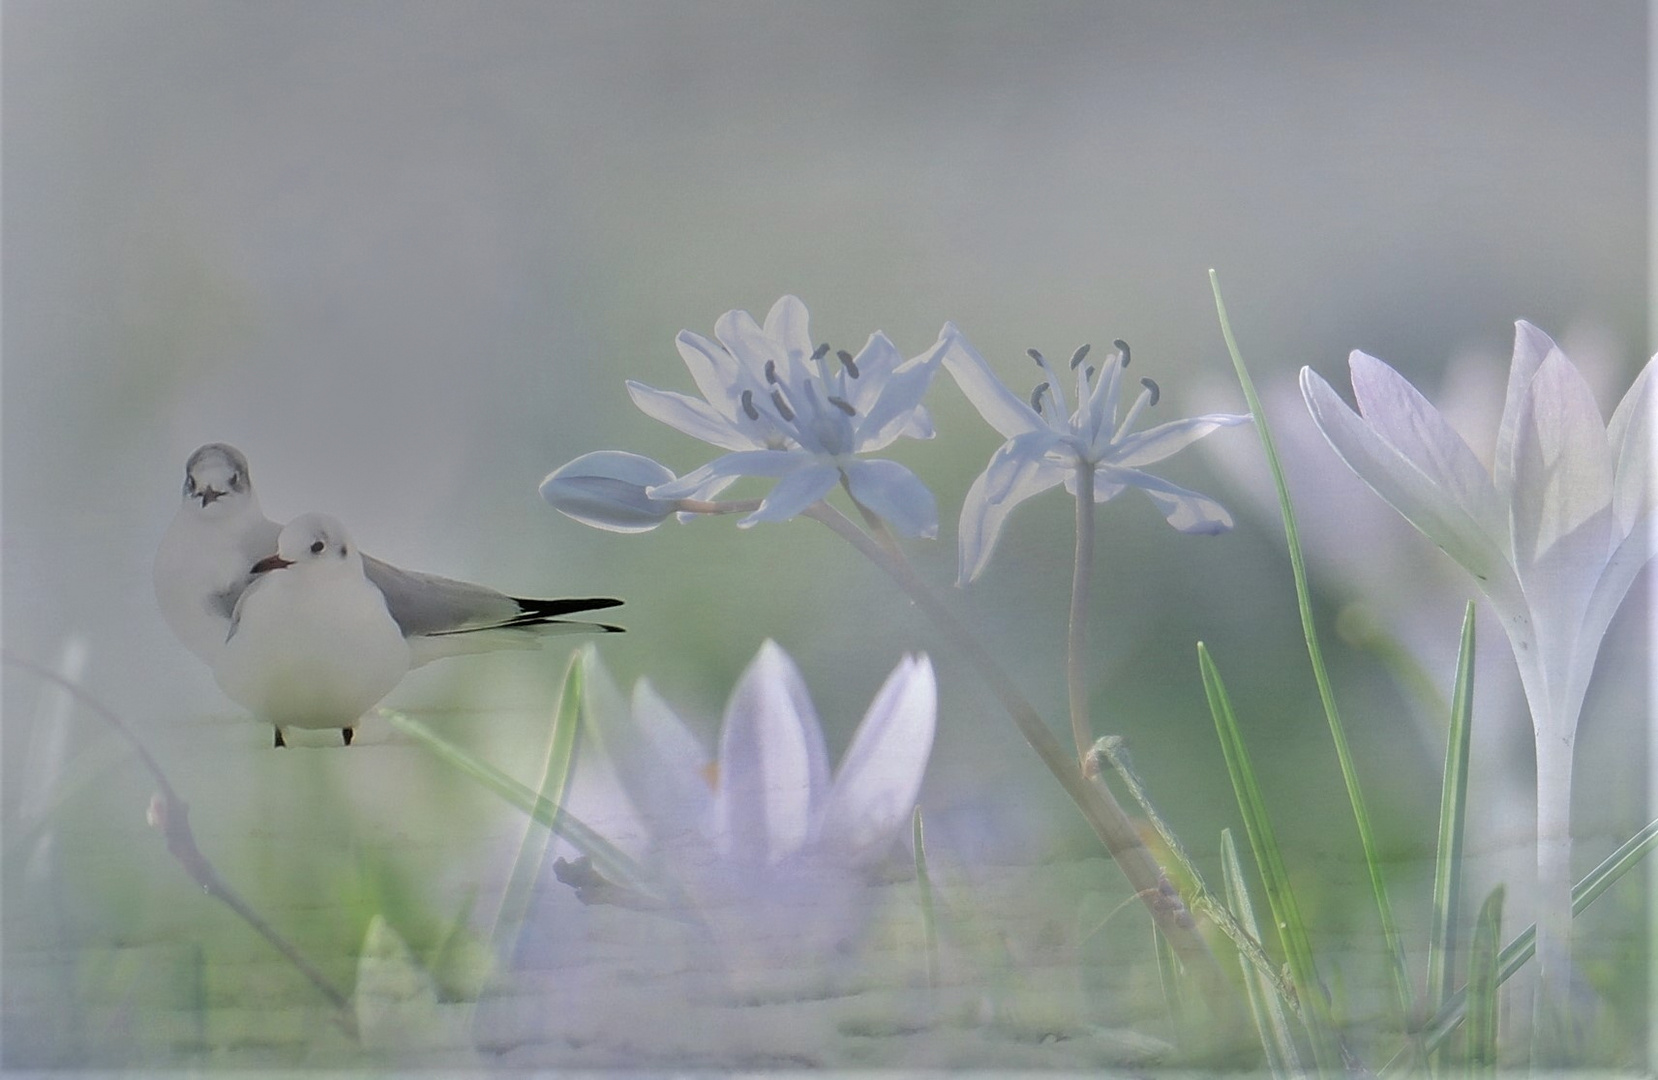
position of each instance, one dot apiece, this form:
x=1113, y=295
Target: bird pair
x=301, y=628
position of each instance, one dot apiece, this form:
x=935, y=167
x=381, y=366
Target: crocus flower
x=1553, y=534
x=607, y=489
x=766, y=845
x=1047, y=444
x=792, y=412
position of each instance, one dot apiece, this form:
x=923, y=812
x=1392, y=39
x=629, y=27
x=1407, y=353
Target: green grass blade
x=1453, y=813
x=1286, y=914
x=1524, y=946
x=609, y=860
x=1265, y=1004
x=1483, y=980
x=924, y=884
x=1303, y=594
x=555, y=778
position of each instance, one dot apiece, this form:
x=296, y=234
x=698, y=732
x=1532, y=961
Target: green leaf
x=924, y=883
x=1303, y=594
x=1483, y=980
x=1453, y=807
x=1263, y=843
x=555, y=778
x=1265, y=1004
x=609, y=860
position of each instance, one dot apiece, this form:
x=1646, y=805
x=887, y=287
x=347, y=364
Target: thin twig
x=171, y=815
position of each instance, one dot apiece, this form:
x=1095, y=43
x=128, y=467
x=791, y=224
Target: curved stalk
x=1076, y=674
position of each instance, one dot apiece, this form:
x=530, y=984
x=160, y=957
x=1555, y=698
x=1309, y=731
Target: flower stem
x=1076, y=675
x=1554, y=897
x=1099, y=808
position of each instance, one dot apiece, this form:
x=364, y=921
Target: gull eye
x=235, y=480
x=317, y=546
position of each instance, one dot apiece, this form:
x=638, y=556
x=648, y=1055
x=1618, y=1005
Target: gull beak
x=270, y=562
x=208, y=495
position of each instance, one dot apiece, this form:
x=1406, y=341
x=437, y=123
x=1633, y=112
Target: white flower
x=768, y=801
x=1047, y=444
x=1554, y=534
x=801, y=415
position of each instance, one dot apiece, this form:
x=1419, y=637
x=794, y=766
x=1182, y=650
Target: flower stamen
x=748, y=405
x=846, y=361
x=1150, y=385
x=843, y=405
x=783, y=409
x=1122, y=347
x=1078, y=356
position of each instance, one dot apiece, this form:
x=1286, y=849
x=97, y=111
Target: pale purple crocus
x=1049, y=444
x=766, y=841
x=1553, y=534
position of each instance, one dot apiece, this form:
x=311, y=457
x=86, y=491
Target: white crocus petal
x=1411, y=425
x=1187, y=511
x=1630, y=435
x=894, y=494
x=875, y=363
x=1156, y=443
x=880, y=776
x=794, y=493
x=773, y=767
x=1562, y=465
x=740, y=334
x=1397, y=480
x=1017, y=471
x=894, y=409
x=607, y=489
x=695, y=418
x=1001, y=408
x=1531, y=347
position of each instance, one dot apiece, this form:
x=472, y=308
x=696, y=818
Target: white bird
x=311, y=644
x=206, y=561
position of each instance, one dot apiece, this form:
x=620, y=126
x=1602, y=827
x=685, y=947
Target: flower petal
x=1531, y=347
x=1411, y=425
x=893, y=411
x=728, y=467
x=1424, y=504
x=774, y=769
x=788, y=328
x=716, y=372
x=1634, y=446
x=1563, y=468
x=794, y=493
x=894, y=494
x=880, y=776
x=1018, y=470
x=1001, y=408
x=1188, y=511
x=695, y=418
x=606, y=489
x=1157, y=443
x=742, y=336
x=659, y=764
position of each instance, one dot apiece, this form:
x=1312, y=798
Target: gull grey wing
x=426, y=605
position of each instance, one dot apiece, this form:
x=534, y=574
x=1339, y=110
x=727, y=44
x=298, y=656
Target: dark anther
x=1155, y=392
x=1122, y=347
x=783, y=409
x=748, y=405
x=846, y=361
x=1034, y=355
x=821, y=351
x=843, y=405
x=771, y=371
x=1076, y=357
x=1036, y=396
x=1090, y=373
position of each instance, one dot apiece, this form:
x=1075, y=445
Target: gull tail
x=535, y=620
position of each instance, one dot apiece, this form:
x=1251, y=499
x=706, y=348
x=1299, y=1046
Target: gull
x=219, y=534
x=311, y=643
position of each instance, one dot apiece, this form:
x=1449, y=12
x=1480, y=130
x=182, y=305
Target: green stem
x=1076, y=675
x=1099, y=808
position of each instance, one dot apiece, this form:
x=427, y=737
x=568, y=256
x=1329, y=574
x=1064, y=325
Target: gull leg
x=346, y=734
x=278, y=742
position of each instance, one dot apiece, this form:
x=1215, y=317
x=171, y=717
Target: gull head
x=216, y=477
x=312, y=540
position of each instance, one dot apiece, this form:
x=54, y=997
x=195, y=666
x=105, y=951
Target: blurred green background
x=405, y=254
